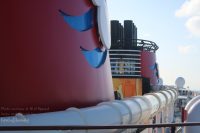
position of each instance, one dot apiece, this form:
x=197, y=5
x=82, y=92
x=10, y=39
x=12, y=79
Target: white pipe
x=171, y=107
x=163, y=100
x=132, y=110
x=167, y=96
x=124, y=112
x=168, y=112
x=145, y=106
x=135, y=110
x=173, y=95
x=155, y=103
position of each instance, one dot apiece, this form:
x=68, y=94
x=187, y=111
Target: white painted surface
x=155, y=103
x=193, y=116
x=163, y=100
x=103, y=22
x=191, y=102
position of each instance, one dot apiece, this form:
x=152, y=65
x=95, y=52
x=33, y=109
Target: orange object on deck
x=129, y=87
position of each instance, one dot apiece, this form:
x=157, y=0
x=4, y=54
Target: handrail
x=147, y=45
x=81, y=127
x=141, y=43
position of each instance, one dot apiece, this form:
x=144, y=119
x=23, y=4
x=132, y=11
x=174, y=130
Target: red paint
x=148, y=59
x=41, y=63
x=184, y=114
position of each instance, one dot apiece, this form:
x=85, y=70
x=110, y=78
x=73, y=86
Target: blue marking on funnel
x=153, y=67
x=79, y=23
x=95, y=57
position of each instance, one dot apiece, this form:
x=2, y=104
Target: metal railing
x=81, y=127
x=135, y=44
x=147, y=45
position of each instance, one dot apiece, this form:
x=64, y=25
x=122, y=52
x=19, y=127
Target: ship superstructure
x=133, y=61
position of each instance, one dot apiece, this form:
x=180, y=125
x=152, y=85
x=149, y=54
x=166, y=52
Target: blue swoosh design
x=153, y=67
x=79, y=23
x=95, y=57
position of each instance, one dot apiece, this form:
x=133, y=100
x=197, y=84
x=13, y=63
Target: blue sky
x=175, y=26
